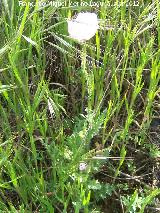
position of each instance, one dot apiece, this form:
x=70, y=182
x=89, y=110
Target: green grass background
x=63, y=103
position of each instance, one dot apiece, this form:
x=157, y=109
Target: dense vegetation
x=79, y=121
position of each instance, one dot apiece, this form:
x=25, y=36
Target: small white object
x=50, y=107
x=83, y=27
x=82, y=166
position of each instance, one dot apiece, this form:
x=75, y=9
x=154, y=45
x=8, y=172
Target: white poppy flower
x=83, y=27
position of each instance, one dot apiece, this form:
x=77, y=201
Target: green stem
x=83, y=73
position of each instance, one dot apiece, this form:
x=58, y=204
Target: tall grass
x=66, y=104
